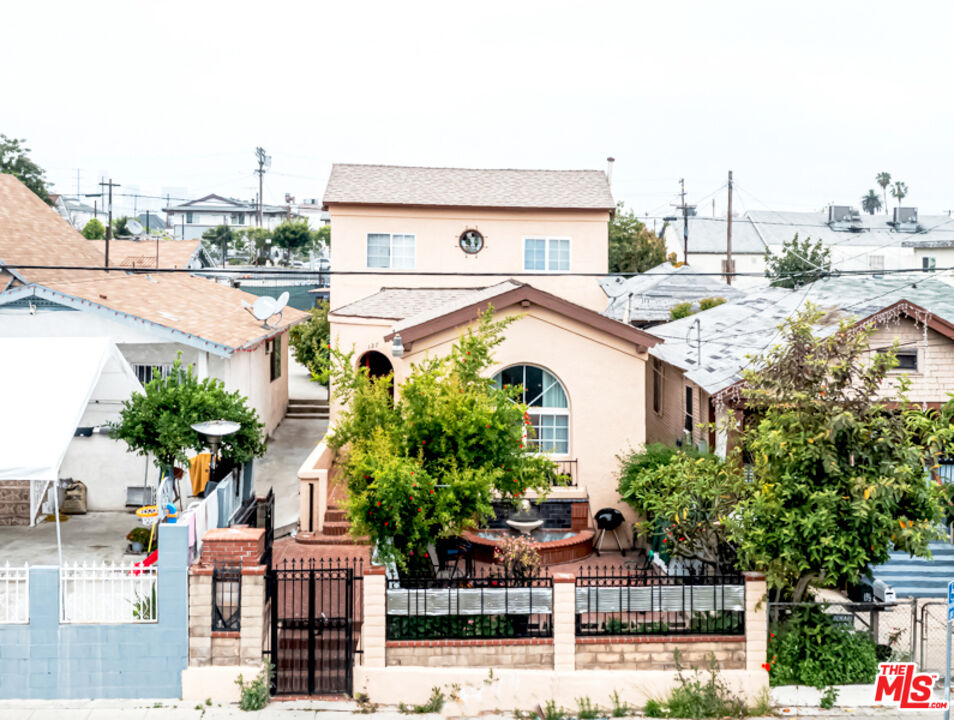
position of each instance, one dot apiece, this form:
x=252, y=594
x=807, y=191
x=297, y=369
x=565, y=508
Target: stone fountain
x=525, y=520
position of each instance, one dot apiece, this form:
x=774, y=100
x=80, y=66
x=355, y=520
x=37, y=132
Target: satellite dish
x=134, y=226
x=266, y=307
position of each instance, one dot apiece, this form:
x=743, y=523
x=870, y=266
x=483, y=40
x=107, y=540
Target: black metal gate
x=315, y=626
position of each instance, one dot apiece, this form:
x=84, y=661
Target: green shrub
x=828, y=698
x=309, y=343
x=94, y=230
x=710, y=302
x=423, y=627
x=255, y=695
x=433, y=705
x=552, y=711
x=810, y=648
x=681, y=310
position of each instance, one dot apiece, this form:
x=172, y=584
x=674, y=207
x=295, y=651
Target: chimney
x=609, y=169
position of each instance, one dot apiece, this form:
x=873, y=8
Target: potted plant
x=139, y=539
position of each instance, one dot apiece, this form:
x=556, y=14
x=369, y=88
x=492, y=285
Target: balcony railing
x=566, y=473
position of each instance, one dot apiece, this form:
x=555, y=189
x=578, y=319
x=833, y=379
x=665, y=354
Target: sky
x=805, y=102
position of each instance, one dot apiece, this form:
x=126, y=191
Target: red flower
x=385, y=523
x=664, y=539
x=766, y=667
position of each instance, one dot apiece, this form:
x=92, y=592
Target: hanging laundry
x=199, y=472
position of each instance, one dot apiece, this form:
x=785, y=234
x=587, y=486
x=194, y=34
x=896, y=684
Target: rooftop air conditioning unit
x=839, y=214
x=906, y=218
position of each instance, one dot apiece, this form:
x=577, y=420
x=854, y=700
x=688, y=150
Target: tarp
x=46, y=385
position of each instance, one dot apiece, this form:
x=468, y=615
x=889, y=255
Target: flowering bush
x=518, y=557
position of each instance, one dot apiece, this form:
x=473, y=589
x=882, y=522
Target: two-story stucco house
x=418, y=253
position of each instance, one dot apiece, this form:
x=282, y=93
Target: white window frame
x=547, y=239
x=928, y=263
x=390, y=266
x=541, y=411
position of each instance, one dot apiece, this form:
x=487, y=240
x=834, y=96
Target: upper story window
x=387, y=250
x=928, y=264
x=541, y=254
x=547, y=406
x=876, y=262
x=189, y=219
x=237, y=218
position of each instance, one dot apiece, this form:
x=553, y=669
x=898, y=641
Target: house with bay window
x=422, y=252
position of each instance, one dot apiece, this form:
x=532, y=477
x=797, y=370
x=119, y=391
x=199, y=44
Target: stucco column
x=756, y=621
x=564, y=621
x=374, y=625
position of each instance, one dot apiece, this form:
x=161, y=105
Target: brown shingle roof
x=403, y=303
x=190, y=304
x=33, y=233
x=142, y=253
x=468, y=187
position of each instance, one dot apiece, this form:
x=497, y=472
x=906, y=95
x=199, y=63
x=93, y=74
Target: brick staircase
x=337, y=531
x=307, y=408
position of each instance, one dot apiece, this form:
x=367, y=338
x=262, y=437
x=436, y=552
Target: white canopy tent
x=48, y=384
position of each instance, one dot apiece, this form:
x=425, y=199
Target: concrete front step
x=308, y=415
x=314, y=538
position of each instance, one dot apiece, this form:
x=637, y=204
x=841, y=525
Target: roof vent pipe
x=609, y=169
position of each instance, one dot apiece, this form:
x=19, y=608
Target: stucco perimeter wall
x=437, y=231
x=512, y=653
x=659, y=653
x=487, y=689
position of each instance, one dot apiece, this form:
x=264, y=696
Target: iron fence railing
x=226, y=598
x=104, y=593
x=624, y=601
x=14, y=594
x=484, y=605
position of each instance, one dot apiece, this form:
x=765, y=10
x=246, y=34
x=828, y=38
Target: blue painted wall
x=45, y=659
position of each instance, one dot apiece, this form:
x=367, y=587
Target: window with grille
x=226, y=598
x=547, y=404
x=689, y=413
x=546, y=254
x=392, y=251
x=658, y=378
x=147, y=373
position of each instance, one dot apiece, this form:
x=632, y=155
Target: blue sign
x=950, y=594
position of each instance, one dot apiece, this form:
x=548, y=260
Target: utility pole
x=685, y=220
x=729, y=266
x=77, y=182
x=264, y=162
x=109, y=223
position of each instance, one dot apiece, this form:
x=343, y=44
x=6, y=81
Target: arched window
x=548, y=406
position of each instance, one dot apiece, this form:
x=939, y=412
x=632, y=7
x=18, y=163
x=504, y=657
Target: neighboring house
x=645, y=300
x=143, y=252
x=903, y=240
x=151, y=222
x=77, y=212
x=424, y=251
x=452, y=227
x=311, y=210
x=189, y=220
x=151, y=318
x=695, y=373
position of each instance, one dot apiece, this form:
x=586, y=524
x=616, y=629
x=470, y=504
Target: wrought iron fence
x=14, y=594
x=623, y=601
x=106, y=593
x=566, y=473
x=486, y=604
x=226, y=598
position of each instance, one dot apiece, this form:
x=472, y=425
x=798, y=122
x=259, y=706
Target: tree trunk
x=801, y=587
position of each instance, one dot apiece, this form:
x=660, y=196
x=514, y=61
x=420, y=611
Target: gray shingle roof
x=416, y=305
x=468, y=187
x=648, y=297
x=732, y=333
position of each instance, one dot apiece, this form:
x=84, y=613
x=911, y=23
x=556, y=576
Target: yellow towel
x=199, y=472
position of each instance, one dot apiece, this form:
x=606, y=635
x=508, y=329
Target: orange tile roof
x=187, y=303
x=33, y=233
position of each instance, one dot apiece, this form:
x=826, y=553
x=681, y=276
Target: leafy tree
x=799, y=263
x=899, y=191
x=158, y=421
x=94, y=230
x=427, y=462
x=310, y=340
x=321, y=238
x=292, y=235
x=884, y=179
x=258, y=241
x=121, y=227
x=681, y=310
x=710, y=302
x=683, y=495
x=871, y=203
x=633, y=248
x=15, y=160
x=218, y=240
x=838, y=476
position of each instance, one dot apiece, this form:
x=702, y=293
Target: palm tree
x=899, y=190
x=871, y=203
x=884, y=179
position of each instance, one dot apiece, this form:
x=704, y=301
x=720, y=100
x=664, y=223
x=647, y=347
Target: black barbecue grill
x=608, y=520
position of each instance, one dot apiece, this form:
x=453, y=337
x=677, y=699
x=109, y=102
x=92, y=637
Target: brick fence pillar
x=374, y=625
x=564, y=621
x=756, y=621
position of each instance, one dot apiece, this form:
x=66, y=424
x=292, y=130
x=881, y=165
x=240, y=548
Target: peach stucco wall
x=436, y=232
x=604, y=378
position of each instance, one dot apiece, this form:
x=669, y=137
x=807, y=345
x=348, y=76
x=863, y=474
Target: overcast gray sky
x=804, y=101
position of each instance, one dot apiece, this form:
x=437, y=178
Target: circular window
x=471, y=242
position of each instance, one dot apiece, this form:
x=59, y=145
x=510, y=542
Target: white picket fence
x=14, y=594
x=107, y=594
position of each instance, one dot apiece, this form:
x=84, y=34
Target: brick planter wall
x=658, y=653
x=514, y=653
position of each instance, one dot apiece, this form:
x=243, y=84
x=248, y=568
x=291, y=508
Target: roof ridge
x=474, y=169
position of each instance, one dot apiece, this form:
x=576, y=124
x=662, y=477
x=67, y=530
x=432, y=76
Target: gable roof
x=648, y=297
x=125, y=253
x=33, y=233
x=217, y=203
x=188, y=309
x=468, y=187
x=467, y=306
x=733, y=333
